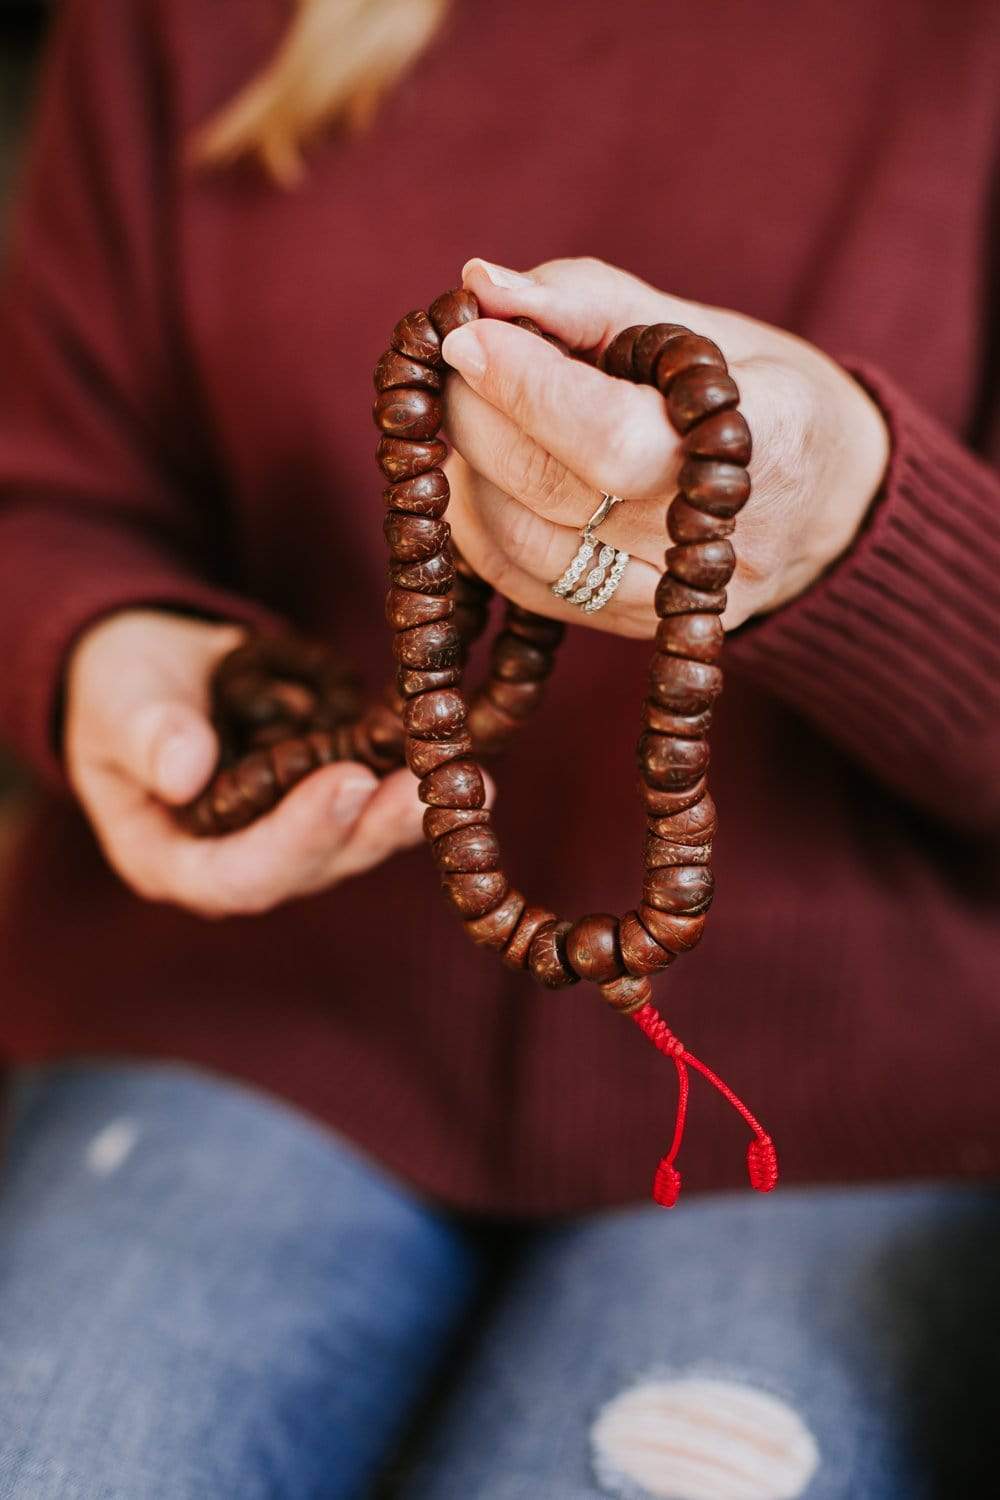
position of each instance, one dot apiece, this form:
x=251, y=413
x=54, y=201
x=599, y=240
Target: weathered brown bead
x=435, y=575
x=688, y=726
x=441, y=820
x=617, y=357
x=660, y=803
x=414, y=538
x=291, y=760
x=517, y=660
x=724, y=437
x=683, y=686
x=452, y=309
x=628, y=994
x=695, y=637
x=405, y=607
x=229, y=809
x=412, y=680
x=398, y=458
x=692, y=825
x=256, y=781
x=470, y=623
x=493, y=930
x=650, y=345
x=658, y=852
x=673, y=930
x=431, y=647
x=671, y=763
x=704, y=565
x=436, y=715
x=547, y=956
x=426, y=495
x=515, y=955
x=491, y=727
x=698, y=393
x=686, y=524
x=458, y=784
x=467, y=850
x=536, y=628
x=682, y=888
x=528, y=323
x=641, y=953
x=475, y=895
x=395, y=369
x=321, y=746
x=675, y=598
x=416, y=336
x=424, y=756
x=406, y=411
x=720, y=489
x=682, y=354
x=515, y=698
x=592, y=947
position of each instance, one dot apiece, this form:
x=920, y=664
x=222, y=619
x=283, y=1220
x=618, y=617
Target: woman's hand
x=538, y=436
x=138, y=741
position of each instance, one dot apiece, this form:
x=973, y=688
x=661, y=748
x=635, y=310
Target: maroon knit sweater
x=185, y=366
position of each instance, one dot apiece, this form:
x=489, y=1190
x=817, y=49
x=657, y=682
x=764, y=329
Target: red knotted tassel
x=762, y=1158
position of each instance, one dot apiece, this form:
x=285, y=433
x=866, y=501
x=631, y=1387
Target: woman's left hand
x=537, y=436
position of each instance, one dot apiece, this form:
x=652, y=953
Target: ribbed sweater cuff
x=74, y=573
x=895, y=651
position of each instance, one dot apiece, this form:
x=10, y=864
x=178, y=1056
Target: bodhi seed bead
x=414, y=538
x=686, y=524
x=493, y=930
x=416, y=336
x=399, y=458
x=475, y=895
x=592, y=947
x=695, y=637
x=395, y=369
x=720, y=489
x=704, y=565
x=407, y=412
x=532, y=918
x=452, y=309
x=425, y=495
x=547, y=956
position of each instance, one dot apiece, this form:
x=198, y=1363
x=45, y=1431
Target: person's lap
x=204, y=1295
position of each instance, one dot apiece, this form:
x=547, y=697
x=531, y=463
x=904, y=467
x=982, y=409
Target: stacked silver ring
x=604, y=576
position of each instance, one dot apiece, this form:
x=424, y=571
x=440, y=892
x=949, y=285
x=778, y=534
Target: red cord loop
x=762, y=1157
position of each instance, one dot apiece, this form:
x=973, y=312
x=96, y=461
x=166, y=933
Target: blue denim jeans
x=204, y=1295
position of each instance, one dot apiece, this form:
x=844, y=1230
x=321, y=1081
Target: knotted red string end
x=762, y=1164
x=666, y=1184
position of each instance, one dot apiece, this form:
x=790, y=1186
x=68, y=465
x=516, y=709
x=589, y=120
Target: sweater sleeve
x=106, y=501
x=895, y=652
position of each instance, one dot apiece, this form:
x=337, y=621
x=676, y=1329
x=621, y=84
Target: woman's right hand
x=138, y=742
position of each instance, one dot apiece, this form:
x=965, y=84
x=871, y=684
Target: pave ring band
x=592, y=592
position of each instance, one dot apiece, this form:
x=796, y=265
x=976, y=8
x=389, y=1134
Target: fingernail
x=463, y=350
x=349, y=800
x=500, y=275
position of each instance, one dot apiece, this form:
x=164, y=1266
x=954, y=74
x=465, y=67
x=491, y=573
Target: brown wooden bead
x=441, y=820
x=395, y=369
x=695, y=637
x=321, y=745
x=256, y=781
x=650, y=345
x=434, y=575
x=671, y=763
x=405, y=607
x=704, y=565
x=291, y=760
x=515, y=955
x=475, y=895
x=536, y=628
x=617, y=357
x=343, y=742
x=682, y=888
x=686, y=524
x=406, y=411
x=682, y=354
x=431, y=647
x=661, y=803
x=658, y=852
x=681, y=685
x=641, y=953
x=411, y=680
x=692, y=825
x=493, y=930
x=452, y=309
x=414, y=538
x=426, y=495
x=424, y=756
x=724, y=437
x=458, y=784
x=416, y=336
x=547, y=956
x=720, y=489
x=398, y=458
x=628, y=994
x=517, y=660
x=688, y=726
x=675, y=598
x=698, y=393
x=491, y=727
x=673, y=930
x=515, y=698
x=229, y=809
x=467, y=850
x=436, y=715
x=592, y=947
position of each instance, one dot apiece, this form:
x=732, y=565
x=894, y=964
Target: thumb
x=169, y=748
